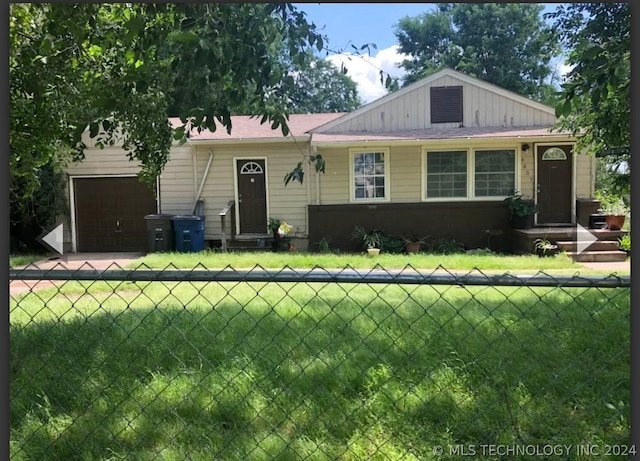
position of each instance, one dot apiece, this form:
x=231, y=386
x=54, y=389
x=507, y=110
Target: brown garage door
x=110, y=214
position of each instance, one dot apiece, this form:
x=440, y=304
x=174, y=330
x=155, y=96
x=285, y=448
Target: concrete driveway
x=72, y=261
x=100, y=261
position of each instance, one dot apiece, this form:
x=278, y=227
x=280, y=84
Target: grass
x=285, y=371
x=492, y=262
x=25, y=259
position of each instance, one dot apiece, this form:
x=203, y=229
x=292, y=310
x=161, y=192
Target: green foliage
x=115, y=69
x=596, y=102
x=507, y=44
x=323, y=245
x=369, y=239
x=625, y=243
x=447, y=246
x=392, y=244
x=544, y=244
x=518, y=206
x=611, y=204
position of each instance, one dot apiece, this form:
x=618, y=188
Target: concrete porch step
x=600, y=245
x=598, y=256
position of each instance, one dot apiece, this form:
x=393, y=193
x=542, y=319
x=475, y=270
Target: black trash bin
x=160, y=233
x=189, y=233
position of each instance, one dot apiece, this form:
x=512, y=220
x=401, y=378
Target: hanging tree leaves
x=596, y=102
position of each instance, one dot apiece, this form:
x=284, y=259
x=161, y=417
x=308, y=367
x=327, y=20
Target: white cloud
x=365, y=70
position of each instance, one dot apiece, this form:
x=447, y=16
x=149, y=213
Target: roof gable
x=407, y=104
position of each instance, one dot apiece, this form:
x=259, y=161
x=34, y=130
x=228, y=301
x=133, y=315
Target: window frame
x=515, y=172
x=471, y=172
x=387, y=175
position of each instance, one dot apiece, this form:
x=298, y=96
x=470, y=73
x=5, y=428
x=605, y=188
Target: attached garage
x=109, y=213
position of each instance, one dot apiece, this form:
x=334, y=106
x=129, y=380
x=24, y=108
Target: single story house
x=436, y=158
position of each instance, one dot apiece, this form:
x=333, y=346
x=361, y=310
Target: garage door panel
x=110, y=213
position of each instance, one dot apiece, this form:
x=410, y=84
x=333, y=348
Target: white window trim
x=387, y=175
x=471, y=172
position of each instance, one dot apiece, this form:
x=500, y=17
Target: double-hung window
x=479, y=173
x=447, y=174
x=369, y=175
x=494, y=173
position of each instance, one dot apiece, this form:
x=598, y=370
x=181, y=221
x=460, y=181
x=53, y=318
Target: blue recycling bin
x=189, y=233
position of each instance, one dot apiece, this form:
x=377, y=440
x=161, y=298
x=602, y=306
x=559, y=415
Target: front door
x=252, y=196
x=554, y=184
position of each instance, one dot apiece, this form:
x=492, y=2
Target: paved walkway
x=103, y=261
x=71, y=261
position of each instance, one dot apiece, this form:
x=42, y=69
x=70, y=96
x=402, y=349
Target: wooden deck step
x=598, y=256
x=600, y=245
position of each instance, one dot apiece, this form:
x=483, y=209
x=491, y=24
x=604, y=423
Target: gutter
x=288, y=139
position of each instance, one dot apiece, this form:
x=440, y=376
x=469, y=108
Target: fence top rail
x=318, y=275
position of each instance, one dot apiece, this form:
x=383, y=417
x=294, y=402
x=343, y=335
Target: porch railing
x=228, y=209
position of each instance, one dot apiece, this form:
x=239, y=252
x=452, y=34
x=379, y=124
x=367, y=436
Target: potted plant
x=412, y=243
x=615, y=211
x=280, y=229
x=521, y=210
x=624, y=243
x=371, y=240
x=545, y=247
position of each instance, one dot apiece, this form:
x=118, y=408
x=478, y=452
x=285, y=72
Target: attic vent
x=446, y=104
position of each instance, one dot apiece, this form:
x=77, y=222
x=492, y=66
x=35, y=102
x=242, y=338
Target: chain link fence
x=317, y=365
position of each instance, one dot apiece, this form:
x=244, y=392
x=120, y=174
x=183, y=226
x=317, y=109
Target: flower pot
x=550, y=251
x=412, y=247
x=615, y=222
x=373, y=251
x=522, y=222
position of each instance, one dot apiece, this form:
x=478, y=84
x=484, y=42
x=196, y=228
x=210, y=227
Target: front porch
x=572, y=239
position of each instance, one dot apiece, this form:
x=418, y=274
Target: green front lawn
x=258, y=371
x=423, y=261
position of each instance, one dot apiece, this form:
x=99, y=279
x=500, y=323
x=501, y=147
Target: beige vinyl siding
x=334, y=184
x=527, y=173
x=406, y=169
x=481, y=108
x=287, y=203
x=104, y=162
x=406, y=174
x=585, y=175
x=177, y=190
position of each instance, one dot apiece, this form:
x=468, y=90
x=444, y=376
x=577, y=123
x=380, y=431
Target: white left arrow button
x=54, y=240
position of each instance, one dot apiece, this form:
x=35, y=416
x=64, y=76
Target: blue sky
x=361, y=23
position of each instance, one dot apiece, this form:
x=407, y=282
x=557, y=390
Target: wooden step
x=598, y=245
x=598, y=256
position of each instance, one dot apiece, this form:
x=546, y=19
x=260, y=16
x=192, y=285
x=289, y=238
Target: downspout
x=315, y=151
x=204, y=178
x=308, y=187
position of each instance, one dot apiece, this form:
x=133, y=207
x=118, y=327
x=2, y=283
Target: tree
x=507, y=44
x=596, y=103
x=321, y=87
x=114, y=68
x=317, y=86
